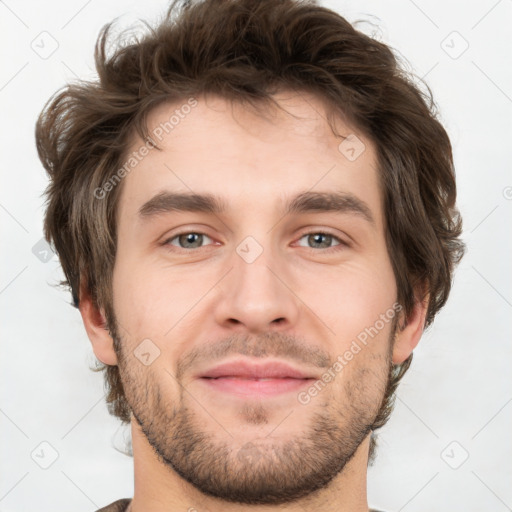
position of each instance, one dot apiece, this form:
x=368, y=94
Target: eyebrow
x=306, y=202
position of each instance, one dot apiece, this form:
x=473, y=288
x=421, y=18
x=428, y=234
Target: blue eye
x=188, y=240
x=319, y=238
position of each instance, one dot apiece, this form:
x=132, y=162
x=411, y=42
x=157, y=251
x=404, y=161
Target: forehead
x=227, y=149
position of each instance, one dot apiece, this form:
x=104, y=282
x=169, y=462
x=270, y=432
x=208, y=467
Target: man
x=254, y=209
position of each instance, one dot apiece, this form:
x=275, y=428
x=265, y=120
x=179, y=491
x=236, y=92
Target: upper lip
x=260, y=370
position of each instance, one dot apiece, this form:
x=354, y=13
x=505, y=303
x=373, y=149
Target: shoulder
x=117, y=506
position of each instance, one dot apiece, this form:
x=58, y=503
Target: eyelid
x=323, y=231
x=168, y=238
x=306, y=231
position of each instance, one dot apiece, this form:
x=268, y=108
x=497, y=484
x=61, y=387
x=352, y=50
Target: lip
x=250, y=370
x=255, y=388
x=255, y=380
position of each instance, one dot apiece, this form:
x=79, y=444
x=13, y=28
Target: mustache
x=267, y=344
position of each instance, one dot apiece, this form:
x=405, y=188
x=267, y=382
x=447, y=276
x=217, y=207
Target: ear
x=96, y=326
x=407, y=338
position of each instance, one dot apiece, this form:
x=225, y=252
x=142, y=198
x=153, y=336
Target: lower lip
x=253, y=387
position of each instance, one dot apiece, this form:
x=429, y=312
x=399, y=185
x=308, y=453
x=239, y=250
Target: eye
x=187, y=240
x=321, y=240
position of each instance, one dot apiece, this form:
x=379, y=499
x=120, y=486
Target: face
x=255, y=331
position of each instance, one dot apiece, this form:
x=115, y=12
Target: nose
x=257, y=296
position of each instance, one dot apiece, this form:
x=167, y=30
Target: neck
x=158, y=487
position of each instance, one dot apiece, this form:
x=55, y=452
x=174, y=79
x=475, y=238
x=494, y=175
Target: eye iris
x=188, y=237
x=314, y=238
x=195, y=239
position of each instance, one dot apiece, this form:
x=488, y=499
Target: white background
x=458, y=388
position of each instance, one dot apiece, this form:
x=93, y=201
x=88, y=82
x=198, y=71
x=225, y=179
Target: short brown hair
x=246, y=50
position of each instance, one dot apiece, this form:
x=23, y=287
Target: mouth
x=255, y=387
x=246, y=379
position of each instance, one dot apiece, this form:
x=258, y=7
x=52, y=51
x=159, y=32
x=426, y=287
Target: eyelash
x=342, y=244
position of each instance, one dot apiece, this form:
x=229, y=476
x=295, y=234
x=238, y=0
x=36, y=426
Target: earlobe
x=95, y=325
x=408, y=338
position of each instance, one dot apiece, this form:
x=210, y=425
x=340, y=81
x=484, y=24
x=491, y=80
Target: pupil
x=189, y=238
x=318, y=236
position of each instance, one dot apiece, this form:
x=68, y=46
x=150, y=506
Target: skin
x=298, y=301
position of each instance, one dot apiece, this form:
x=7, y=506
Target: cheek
x=150, y=300
x=134, y=299
x=351, y=297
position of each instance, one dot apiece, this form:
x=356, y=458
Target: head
x=285, y=104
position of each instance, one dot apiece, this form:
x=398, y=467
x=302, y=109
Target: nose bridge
x=255, y=293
